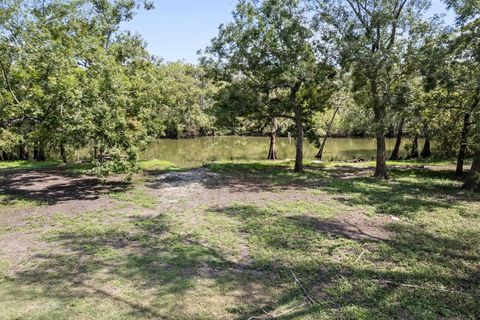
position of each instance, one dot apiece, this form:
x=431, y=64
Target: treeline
x=354, y=67
x=71, y=79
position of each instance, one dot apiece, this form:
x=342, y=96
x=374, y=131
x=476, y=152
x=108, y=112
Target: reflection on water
x=194, y=152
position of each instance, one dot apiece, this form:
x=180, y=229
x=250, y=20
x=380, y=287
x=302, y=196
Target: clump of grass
x=18, y=202
x=158, y=165
x=137, y=196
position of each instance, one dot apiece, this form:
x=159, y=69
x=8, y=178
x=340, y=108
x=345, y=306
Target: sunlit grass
x=362, y=248
x=20, y=164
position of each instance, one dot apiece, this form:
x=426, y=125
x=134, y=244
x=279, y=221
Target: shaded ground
x=239, y=240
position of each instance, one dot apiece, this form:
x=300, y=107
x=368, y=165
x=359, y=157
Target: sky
x=177, y=29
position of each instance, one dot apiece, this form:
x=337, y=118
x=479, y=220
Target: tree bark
x=396, y=150
x=5, y=156
x=299, y=141
x=22, y=152
x=272, y=152
x=426, y=152
x=322, y=147
x=463, y=145
x=381, y=171
x=414, y=151
x=473, y=177
x=63, y=154
x=39, y=152
x=35, y=151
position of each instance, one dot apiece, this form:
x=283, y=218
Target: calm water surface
x=194, y=152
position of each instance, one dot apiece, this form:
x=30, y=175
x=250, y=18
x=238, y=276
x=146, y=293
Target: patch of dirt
x=352, y=225
x=202, y=187
x=20, y=247
x=349, y=172
x=53, y=186
x=176, y=191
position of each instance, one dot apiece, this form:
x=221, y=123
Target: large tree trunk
x=473, y=178
x=272, y=152
x=426, y=152
x=396, y=150
x=322, y=147
x=463, y=145
x=299, y=141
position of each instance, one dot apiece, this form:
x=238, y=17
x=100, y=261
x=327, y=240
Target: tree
x=71, y=79
x=270, y=46
x=376, y=39
x=187, y=97
x=467, y=49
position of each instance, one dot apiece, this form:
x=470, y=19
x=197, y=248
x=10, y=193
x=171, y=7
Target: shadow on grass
x=53, y=186
x=160, y=262
x=411, y=191
x=415, y=274
x=146, y=254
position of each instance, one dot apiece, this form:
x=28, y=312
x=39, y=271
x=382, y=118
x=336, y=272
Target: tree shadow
x=52, y=186
x=414, y=274
x=163, y=262
x=412, y=189
x=149, y=254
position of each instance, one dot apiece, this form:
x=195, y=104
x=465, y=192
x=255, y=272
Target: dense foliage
x=71, y=79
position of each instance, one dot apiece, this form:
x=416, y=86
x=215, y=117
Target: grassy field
x=249, y=240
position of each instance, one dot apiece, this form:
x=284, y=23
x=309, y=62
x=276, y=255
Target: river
x=194, y=152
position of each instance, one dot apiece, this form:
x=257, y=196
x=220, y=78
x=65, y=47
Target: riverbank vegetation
x=71, y=79
x=106, y=236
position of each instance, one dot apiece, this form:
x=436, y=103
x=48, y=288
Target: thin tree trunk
x=22, y=152
x=40, y=152
x=272, y=152
x=63, y=154
x=35, y=151
x=473, y=177
x=396, y=150
x=299, y=141
x=414, y=152
x=463, y=146
x=322, y=147
x=381, y=171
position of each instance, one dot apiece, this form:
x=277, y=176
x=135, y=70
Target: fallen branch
x=360, y=256
x=305, y=292
x=414, y=286
x=263, y=310
x=274, y=316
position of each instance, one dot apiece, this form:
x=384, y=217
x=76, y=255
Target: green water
x=194, y=152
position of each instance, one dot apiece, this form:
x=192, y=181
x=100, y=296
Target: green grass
x=159, y=165
x=407, y=248
x=17, y=202
x=136, y=196
x=32, y=165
